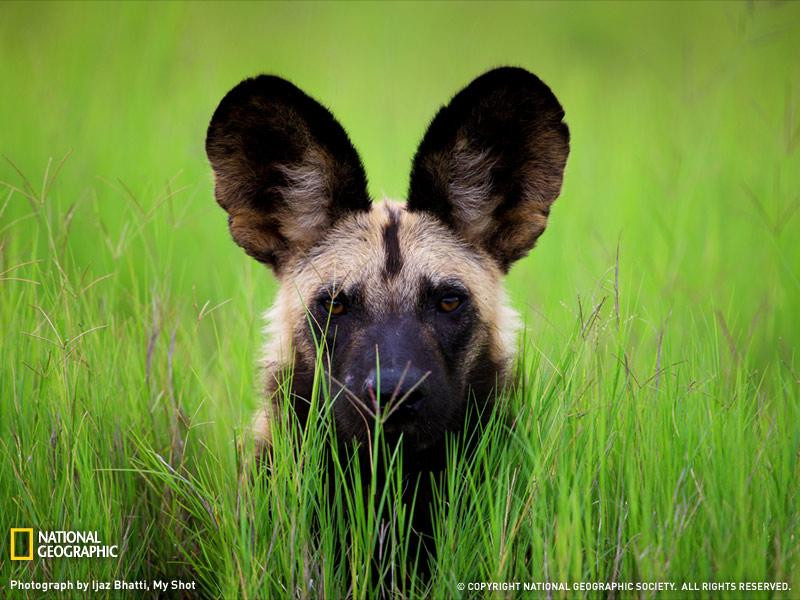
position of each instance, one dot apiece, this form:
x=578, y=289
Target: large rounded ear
x=491, y=163
x=284, y=168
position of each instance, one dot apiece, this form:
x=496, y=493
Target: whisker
x=351, y=397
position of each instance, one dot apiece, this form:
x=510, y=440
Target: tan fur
x=470, y=190
x=306, y=196
x=353, y=251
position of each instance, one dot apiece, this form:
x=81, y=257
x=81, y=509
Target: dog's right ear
x=284, y=168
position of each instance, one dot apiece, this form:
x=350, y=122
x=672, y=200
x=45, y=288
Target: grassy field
x=656, y=435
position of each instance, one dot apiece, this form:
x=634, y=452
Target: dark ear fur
x=492, y=161
x=284, y=168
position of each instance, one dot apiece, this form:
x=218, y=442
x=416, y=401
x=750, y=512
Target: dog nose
x=399, y=389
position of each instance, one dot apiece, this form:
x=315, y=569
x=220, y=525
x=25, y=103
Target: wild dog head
x=406, y=301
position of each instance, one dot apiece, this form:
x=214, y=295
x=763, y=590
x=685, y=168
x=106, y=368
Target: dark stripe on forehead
x=391, y=246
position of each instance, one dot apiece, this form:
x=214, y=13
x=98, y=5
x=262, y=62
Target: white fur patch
x=470, y=187
x=307, y=196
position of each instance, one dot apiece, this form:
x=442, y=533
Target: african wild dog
x=420, y=283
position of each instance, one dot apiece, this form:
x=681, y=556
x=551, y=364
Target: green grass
x=656, y=432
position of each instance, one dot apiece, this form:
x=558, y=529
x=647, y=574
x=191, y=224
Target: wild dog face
x=407, y=301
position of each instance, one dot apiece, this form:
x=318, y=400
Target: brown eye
x=334, y=306
x=449, y=303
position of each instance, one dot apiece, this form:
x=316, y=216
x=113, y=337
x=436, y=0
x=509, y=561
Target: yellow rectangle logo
x=14, y=532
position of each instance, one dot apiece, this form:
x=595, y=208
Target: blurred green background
x=684, y=120
x=131, y=321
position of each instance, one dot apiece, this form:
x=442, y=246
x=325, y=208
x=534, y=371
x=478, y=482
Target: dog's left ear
x=492, y=161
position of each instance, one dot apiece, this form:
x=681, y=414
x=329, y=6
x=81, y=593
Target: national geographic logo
x=58, y=544
x=22, y=543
